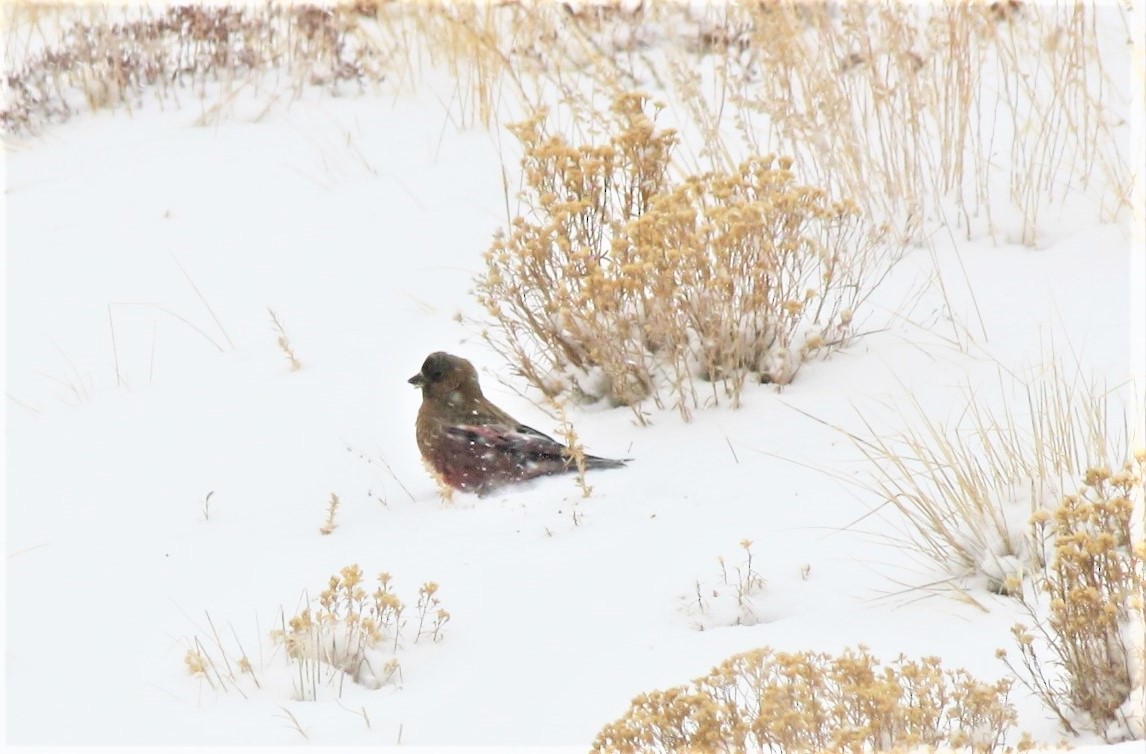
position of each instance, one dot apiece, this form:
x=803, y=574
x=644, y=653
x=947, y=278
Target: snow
x=142, y=254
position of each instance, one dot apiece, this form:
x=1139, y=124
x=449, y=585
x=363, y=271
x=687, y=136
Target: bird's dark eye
x=433, y=369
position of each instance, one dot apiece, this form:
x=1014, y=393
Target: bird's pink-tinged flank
x=474, y=446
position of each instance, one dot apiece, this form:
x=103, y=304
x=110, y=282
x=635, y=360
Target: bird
x=474, y=446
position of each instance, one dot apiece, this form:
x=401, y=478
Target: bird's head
x=447, y=376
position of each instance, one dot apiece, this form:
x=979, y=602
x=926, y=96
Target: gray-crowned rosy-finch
x=472, y=444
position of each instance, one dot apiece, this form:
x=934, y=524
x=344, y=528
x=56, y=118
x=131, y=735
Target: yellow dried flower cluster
x=1095, y=586
x=375, y=615
x=666, y=290
x=764, y=700
x=347, y=620
x=427, y=602
x=194, y=662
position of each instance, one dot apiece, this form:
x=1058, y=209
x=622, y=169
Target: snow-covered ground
x=143, y=375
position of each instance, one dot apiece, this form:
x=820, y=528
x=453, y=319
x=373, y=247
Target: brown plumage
x=472, y=444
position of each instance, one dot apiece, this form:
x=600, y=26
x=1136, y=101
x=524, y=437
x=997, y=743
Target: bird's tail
x=596, y=462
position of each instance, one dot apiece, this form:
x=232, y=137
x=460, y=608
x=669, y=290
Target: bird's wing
x=530, y=431
x=566, y=455
x=522, y=443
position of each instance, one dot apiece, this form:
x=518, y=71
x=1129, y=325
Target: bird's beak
x=417, y=380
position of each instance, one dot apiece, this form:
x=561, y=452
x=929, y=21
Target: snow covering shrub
x=623, y=285
x=348, y=633
x=1086, y=657
x=766, y=701
x=966, y=491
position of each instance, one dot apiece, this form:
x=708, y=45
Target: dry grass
x=283, y=341
x=729, y=600
x=220, y=666
x=349, y=633
x=72, y=60
x=965, y=490
x=342, y=635
x=576, y=451
x=991, y=497
x=334, y=640
x=907, y=109
x=766, y=701
x=899, y=107
x=629, y=282
x=1086, y=657
x=623, y=285
x=329, y=524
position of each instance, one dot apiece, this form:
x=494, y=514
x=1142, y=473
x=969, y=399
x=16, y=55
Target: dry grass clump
x=965, y=491
x=731, y=600
x=222, y=668
x=766, y=701
x=61, y=57
x=1086, y=657
x=338, y=638
x=908, y=108
x=91, y=60
x=950, y=112
x=348, y=633
x=623, y=285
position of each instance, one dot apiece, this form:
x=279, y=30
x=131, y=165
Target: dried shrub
x=347, y=634
x=623, y=285
x=766, y=701
x=339, y=636
x=1085, y=657
x=102, y=64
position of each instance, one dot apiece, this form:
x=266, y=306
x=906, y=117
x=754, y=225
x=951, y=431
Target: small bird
x=473, y=445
